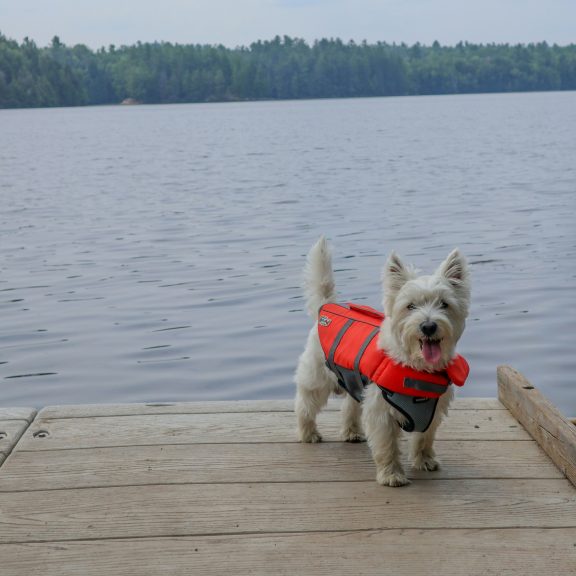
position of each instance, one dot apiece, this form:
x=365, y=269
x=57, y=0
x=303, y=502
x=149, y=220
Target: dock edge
x=555, y=434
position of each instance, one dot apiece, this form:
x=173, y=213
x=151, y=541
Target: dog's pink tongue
x=431, y=351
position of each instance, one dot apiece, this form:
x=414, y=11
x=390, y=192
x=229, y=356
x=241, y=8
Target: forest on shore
x=281, y=68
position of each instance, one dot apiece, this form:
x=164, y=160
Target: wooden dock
x=225, y=489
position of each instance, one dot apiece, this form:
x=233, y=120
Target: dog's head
x=425, y=315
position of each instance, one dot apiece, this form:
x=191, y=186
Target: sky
x=232, y=23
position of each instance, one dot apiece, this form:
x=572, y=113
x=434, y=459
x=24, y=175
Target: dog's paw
x=426, y=463
x=352, y=435
x=393, y=479
x=311, y=437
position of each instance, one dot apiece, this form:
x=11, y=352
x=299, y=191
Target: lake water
x=154, y=253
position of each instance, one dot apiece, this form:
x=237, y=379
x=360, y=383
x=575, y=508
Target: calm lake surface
x=154, y=253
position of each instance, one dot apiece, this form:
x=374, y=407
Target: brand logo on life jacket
x=324, y=321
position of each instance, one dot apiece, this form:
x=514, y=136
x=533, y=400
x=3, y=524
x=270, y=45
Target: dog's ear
x=455, y=270
x=396, y=274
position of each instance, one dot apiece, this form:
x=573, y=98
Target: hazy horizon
x=234, y=24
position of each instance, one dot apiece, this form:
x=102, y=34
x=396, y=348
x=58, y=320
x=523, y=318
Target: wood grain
x=203, y=509
x=256, y=427
x=224, y=463
x=241, y=406
x=10, y=433
x=225, y=488
x=555, y=434
x=17, y=414
x=512, y=552
x=13, y=423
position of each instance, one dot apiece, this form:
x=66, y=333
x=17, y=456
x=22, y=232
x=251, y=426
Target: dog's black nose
x=429, y=328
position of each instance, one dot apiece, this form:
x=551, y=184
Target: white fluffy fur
x=410, y=300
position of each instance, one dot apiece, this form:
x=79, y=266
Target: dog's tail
x=318, y=277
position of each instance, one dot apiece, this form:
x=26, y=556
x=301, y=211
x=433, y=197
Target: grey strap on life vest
x=351, y=380
x=424, y=386
x=345, y=377
x=418, y=411
x=337, y=340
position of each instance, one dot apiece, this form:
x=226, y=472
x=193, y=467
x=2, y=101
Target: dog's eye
x=411, y=307
x=443, y=305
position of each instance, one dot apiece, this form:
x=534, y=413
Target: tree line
x=281, y=68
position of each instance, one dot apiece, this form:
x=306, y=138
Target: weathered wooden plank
x=204, y=509
x=107, y=410
x=524, y=552
x=541, y=419
x=17, y=414
x=10, y=433
x=153, y=408
x=234, y=428
x=222, y=463
x=13, y=423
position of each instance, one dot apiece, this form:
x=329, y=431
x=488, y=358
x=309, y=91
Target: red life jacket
x=348, y=338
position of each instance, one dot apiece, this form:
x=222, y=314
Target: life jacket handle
x=366, y=310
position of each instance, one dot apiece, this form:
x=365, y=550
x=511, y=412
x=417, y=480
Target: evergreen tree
x=283, y=67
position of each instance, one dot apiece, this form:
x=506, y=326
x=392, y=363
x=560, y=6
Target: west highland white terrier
x=399, y=374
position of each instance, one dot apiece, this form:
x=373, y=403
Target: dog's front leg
x=382, y=433
x=423, y=454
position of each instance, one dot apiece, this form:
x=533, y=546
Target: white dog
x=424, y=319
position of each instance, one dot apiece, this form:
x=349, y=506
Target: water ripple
x=171, y=270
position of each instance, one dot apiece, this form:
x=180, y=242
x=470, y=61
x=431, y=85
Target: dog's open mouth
x=431, y=349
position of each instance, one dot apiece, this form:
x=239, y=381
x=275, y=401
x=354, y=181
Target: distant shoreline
x=281, y=69
x=282, y=100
